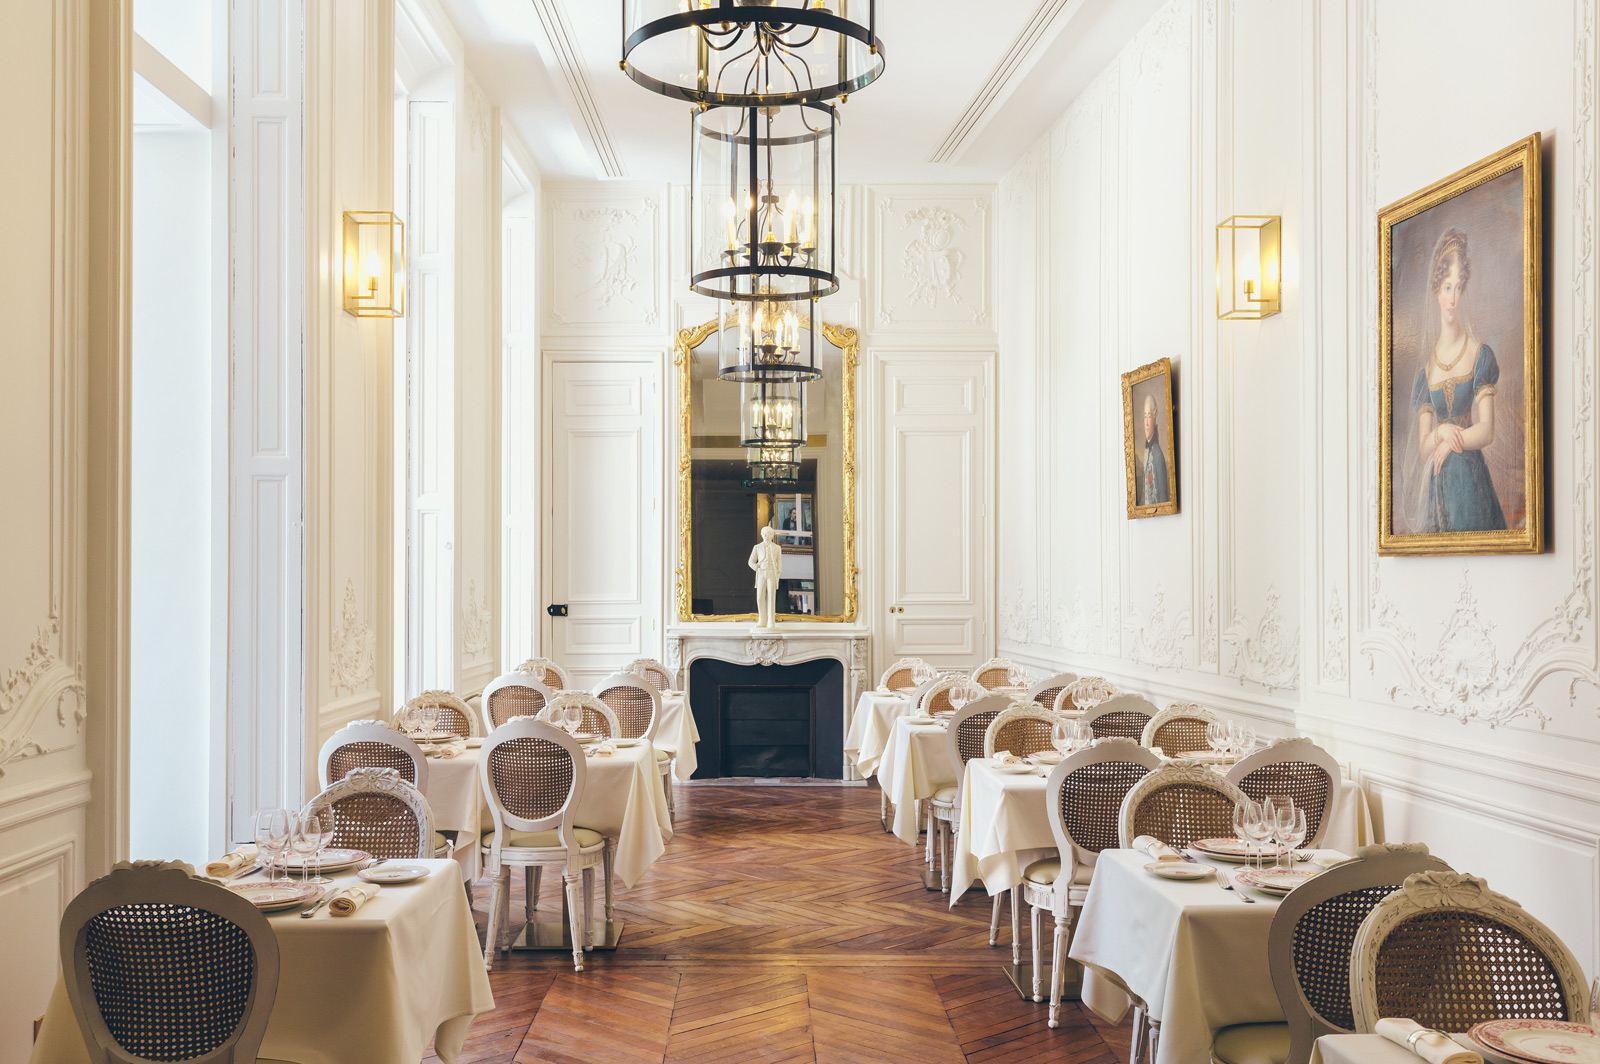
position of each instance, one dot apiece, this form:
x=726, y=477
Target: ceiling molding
x=1046, y=21
x=567, y=58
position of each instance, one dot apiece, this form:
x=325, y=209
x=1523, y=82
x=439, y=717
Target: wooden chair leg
x=1038, y=960
x=1058, y=959
x=574, y=918
x=1016, y=928
x=994, y=920
x=610, y=859
x=490, y=940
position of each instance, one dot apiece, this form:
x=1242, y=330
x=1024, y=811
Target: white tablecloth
x=677, y=734
x=1196, y=955
x=1368, y=1049
x=1004, y=825
x=870, y=728
x=374, y=986
x=915, y=764
x=622, y=798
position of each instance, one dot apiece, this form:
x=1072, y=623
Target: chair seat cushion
x=1252, y=1043
x=544, y=840
x=945, y=795
x=1045, y=872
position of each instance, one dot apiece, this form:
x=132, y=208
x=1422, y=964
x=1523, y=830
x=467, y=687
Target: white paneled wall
x=1462, y=690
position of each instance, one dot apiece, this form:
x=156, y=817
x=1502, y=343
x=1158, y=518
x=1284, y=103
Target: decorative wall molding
x=477, y=622
x=1268, y=652
x=351, y=647
x=1159, y=640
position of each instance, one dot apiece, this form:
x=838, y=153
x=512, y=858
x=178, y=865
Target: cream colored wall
x=1461, y=691
x=62, y=430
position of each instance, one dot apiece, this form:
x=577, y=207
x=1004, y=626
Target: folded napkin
x=453, y=748
x=1431, y=1046
x=1155, y=849
x=349, y=899
x=232, y=863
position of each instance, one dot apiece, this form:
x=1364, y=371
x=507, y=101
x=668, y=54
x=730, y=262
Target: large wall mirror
x=723, y=503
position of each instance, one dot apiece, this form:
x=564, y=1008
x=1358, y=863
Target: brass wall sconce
x=374, y=264
x=1249, y=267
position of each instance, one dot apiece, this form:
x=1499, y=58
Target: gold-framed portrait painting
x=1149, y=447
x=1461, y=404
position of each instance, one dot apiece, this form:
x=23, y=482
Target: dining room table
x=1003, y=825
x=405, y=970
x=1194, y=953
x=622, y=798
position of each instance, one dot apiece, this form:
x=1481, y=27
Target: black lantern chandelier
x=747, y=53
x=767, y=340
x=761, y=202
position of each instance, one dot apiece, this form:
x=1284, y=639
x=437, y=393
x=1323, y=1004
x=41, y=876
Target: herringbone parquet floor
x=782, y=924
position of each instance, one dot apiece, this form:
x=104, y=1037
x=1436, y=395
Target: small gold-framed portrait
x=1148, y=443
x=1461, y=397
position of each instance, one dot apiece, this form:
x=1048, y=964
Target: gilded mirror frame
x=848, y=341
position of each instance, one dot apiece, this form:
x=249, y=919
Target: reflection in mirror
x=731, y=491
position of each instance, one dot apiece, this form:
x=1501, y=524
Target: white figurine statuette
x=766, y=558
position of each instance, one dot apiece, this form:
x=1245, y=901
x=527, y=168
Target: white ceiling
x=970, y=84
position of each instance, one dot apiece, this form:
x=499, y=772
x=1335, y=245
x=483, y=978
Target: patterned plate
x=275, y=897
x=1540, y=1041
x=333, y=860
x=1278, y=881
x=1231, y=851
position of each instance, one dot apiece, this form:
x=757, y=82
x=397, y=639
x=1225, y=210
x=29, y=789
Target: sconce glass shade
x=1249, y=267
x=772, y=414
x=773, y=468
x=761, y=203
x=751, y=52
x=374, y=264
x=768, y=341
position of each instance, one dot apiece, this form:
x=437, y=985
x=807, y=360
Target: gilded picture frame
x=1149, y=446
x=1461, y=460
x=848, y=341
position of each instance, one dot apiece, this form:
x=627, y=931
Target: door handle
x=556, y=609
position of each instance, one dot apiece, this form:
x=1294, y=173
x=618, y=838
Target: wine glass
x=305, y=834
x=272, y=834
x=1289, y=828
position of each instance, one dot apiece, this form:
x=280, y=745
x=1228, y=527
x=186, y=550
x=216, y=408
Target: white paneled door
x=935, y=551
x=604, y=515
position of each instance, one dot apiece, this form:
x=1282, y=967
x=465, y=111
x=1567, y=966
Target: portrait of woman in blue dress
x=1453, y=400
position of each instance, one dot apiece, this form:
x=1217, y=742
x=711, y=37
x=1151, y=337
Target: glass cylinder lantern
x=751, y=52
x=772, y=414
x=761, y=208
x=767, y=340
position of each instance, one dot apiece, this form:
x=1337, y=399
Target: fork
x=1226, y=884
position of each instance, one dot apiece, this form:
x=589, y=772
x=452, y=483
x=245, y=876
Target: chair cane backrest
x=1023, y=729
x=1086, y=791
x=1179, y=729
x=516, y=694
x=1047, y=690
x=1449, y=952
x=597, y=716
x=655, y=674
x=371, y=744
x=901, y=676
x=970, y=725
x=533, y=776
x=545, y=671
x=455, y=716
x=1308, y=947
x=996, y=672
x=1178, y=804
x=1120, y=717
x=377, y=811
x=162, y=964
x=1298, y=768
x=635, y=704
x=1086, y=692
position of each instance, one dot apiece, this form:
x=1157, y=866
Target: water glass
x=272, y=835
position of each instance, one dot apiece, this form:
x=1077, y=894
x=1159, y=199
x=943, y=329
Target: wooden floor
x=782, y=924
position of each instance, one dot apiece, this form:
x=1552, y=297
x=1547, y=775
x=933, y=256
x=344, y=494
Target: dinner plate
x=333, y=860
x=275, y=897
x=389, y=874
x=1278, y=881
x=1540, y=1041
x=1231, y=851
x=1182, y=870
